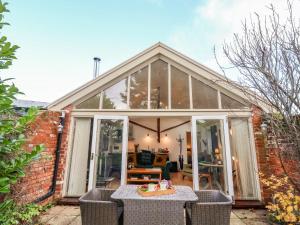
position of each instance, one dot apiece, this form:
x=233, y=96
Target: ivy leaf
x=5, y=189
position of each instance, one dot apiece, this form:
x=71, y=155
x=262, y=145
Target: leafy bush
x=13, y=157
x=11, y=213
x=285, y=205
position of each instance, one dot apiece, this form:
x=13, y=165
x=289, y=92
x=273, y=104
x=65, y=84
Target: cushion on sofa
x=145, y=159
x=160, y=160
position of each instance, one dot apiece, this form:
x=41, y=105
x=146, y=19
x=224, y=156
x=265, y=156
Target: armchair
x=97, y=207
x=145, y=159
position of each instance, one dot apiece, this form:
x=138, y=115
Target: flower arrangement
x=285, y=206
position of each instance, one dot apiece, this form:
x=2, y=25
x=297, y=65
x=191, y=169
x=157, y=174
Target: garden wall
x=268, y=157
x=39, y=173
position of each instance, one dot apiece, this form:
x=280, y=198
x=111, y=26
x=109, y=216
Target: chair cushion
x=160, y=160
x=145, y=158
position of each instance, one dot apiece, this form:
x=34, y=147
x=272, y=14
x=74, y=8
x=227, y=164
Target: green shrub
x=11, y=213
x=13, y=157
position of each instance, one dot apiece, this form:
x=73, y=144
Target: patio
x=70, y=215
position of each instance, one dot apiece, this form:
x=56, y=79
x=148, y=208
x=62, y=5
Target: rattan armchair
x=212, y=208
x=97, y=208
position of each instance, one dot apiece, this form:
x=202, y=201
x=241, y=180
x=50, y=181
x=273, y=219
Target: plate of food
x=163, y=188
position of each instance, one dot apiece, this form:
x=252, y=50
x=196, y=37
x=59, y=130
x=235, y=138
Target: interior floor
x=177, y=179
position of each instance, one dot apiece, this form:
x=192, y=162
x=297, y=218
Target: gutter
x=57, y=158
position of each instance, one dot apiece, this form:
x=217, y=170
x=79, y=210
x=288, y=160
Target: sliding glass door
x=108, y=154
x=211, y=154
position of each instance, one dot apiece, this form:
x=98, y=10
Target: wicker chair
x=97, y=208
x=212, y=208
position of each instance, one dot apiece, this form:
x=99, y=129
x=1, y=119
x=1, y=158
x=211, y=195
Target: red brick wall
x=268, y=159
x=39, y=173
x=261, y=150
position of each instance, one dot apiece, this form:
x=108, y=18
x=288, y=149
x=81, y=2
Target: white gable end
x=157, y=52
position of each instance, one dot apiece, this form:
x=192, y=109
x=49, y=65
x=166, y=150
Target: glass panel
x=230, y=103
x=210, y=154
x=244, y=177
x=91, y=103
x=115, y=97
x=159, y=85
x=179, y=89
x=204, y=96
x=109, y=148
x=139, y=89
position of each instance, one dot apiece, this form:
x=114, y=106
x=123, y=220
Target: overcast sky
x=59, y=38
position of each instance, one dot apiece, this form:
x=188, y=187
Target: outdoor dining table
x=160, y=210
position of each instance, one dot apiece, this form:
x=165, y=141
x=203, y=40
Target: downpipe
x=57, y=158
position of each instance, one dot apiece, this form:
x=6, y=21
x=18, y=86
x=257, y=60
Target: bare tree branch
x=267, y=55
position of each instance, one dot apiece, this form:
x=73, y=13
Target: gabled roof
x=158, y=48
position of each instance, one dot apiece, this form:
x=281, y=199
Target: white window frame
x=228, y=165
x=94, y=153
x=169, y=87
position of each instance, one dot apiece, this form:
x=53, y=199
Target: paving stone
x=236, y=222
x=233, y=216
x=77, y=221
x=61, y=220
x=255, y=222
x=56, y=210
x=45, y=218
x=71, y=211
x=249, y=214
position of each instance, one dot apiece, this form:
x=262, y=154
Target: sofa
x=148, y=159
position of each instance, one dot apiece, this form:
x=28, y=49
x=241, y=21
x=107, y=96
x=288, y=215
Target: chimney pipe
x=96, y=66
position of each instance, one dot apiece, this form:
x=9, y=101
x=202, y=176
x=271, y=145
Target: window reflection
x=109, y=147
x=115, y=97
x=179, y=89
x=230, y=103
x=204, y=96
x=91, y=103
x=139, y=89
x=210, y=154
x=159, y=85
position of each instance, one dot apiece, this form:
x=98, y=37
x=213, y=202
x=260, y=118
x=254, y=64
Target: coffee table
x=162, y=210
x=144, y=171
